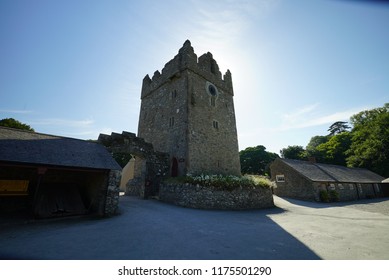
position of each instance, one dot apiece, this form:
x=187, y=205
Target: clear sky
x=75, y=68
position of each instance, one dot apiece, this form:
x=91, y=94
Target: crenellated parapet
x=186, y=59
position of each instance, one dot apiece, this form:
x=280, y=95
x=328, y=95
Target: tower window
x=171, y=122
x=215, y=124
x=174, y=94
x=212, y=90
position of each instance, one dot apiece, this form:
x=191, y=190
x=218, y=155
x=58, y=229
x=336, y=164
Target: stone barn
x=50, y=176
x=385, y=187
x=314, y=181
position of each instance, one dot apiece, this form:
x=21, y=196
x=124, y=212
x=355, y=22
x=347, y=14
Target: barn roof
x=320, y=172
x=24, y=147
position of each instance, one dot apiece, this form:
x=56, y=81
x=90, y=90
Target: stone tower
x=187, y=111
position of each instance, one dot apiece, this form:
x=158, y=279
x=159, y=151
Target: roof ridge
x=322, y=169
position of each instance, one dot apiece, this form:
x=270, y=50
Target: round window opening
x=212, y=90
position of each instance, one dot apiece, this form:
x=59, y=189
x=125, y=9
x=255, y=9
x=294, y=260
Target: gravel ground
x=380, y=206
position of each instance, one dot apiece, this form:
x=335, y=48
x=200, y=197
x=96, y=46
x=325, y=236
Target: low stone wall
x=196, y=196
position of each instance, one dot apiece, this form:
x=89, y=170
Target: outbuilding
x=308, y=180
x=385, y=187
x=50, y=176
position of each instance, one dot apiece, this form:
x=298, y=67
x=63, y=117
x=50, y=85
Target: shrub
x=228, y=182
x=334, y=195
x=324, y=197
x=329, y=196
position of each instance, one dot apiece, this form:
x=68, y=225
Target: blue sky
x=75, y=68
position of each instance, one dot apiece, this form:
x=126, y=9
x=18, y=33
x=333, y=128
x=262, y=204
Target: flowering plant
x=228, y=182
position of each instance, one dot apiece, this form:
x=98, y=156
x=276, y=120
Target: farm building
x=49, y=176
x=308, y=180
x=385, y=187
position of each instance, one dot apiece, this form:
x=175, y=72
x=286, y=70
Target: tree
x=294, y=152
x=370, y=140
x=10, y=122
x=311, y=148
x=334, y=150
x=338, y=127
x=256, y=160
x=331, y=148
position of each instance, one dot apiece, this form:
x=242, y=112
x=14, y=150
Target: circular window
x=212, y=90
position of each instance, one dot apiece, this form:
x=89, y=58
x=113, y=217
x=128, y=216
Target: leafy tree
x=334, y=150
x=311, y=148
x=294, y=152
x=338, y=127
x=331, y=148
x=256, y=160
x=370, y=140
x=10, y=122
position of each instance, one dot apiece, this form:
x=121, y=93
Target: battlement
x=186, y=58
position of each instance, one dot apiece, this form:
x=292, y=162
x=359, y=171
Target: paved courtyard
x=149, y=229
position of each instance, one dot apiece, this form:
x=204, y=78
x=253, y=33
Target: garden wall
x=196, y=196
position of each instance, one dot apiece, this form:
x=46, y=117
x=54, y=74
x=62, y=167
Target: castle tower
x=187, y=111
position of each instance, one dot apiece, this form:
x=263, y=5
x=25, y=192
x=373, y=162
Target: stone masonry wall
x=150, y=165
x=295, y=185
x=112, y=197
x=196, y=196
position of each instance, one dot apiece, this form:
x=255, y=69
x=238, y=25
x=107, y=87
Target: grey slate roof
x=320, y=172
x=24, y=147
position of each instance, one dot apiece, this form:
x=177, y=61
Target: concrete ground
x=149, y=229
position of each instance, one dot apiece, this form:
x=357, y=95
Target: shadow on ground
x=149, y=229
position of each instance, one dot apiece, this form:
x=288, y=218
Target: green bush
x=334, y=195
x=324, y=196
x=329, y=196
x=223, y=182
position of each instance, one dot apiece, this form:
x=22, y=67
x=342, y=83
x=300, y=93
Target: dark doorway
x=174, y=167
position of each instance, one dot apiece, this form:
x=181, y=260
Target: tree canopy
x=293, y=152
x=334, y=150
x=256, y=160
x=338, y=127
x=12, y=123
x=370, y=140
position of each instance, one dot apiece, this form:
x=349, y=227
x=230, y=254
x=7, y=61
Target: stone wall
x=150, y=166
x=112, y=196
x=196, y=196
x=295, y=185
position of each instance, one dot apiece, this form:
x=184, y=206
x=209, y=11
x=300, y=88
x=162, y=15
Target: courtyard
x=150, y=229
